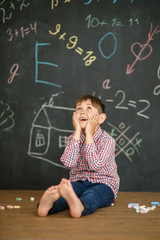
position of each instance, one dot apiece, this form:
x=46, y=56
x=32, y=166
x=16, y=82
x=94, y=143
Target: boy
x=90, y=154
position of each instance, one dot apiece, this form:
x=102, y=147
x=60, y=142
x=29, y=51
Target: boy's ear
x=102, y=118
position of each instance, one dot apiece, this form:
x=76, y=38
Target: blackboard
x=54, y=51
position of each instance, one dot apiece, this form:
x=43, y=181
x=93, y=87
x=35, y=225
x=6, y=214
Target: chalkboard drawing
x=124, y=144
x=13, y=72
x=7, y=121
x=12, y=7
x=142, y=47
x=38, y=63
x=54, y=3
x=50, y=129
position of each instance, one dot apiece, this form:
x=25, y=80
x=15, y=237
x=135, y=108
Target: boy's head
x=96, y=102
x=86, y=107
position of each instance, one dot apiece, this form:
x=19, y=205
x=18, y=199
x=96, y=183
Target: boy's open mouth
x=83, y=119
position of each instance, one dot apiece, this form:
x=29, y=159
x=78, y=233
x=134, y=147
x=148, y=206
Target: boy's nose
x=83, y=112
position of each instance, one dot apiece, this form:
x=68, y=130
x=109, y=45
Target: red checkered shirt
x=94, y=161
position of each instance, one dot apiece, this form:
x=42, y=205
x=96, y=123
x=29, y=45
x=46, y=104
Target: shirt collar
x=95, y=136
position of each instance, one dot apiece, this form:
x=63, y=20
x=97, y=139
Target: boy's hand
x=76, y=126
x=92, y=125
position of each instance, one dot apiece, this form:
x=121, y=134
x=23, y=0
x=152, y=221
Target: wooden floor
x=112, y=223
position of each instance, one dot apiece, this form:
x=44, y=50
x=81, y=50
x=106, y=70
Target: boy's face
x=84, y=111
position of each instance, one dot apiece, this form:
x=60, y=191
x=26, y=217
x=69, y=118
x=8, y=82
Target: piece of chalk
x=130, y=205
x=18, y=199
x=16, y=206
x=2, y=208
x=9, y=206
x=134, y=204
x=145, y=209
x=155, y=203
x=143, y=206
x=32, y=199
x=142, y=212
x=153, y=207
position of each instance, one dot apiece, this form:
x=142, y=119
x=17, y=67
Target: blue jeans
x=92, y=195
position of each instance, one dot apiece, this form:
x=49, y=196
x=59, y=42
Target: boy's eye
x=89, y=108
x=78, y=109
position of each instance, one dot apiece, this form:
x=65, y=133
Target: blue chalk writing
x=88, y=2
x=43, y=63
x=114, y=1
x=115, y=45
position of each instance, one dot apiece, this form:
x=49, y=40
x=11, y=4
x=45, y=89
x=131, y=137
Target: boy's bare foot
x=75, y=205
x=47, y=200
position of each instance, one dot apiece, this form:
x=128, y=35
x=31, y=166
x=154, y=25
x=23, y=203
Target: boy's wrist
x=89, y=138
x=77, y=134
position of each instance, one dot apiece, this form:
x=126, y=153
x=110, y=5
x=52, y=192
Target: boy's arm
x=71, y=152
x=97, y=158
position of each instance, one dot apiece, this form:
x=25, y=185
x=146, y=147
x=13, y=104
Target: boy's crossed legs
x=52, y=194
x=82, y=198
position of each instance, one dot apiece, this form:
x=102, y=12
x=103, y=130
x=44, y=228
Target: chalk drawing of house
x=50, y=129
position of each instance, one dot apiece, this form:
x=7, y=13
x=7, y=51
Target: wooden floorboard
x=112, y=223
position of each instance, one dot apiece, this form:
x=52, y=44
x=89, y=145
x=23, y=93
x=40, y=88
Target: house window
x=40, y=140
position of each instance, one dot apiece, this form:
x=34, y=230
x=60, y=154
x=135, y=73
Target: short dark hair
x=96, y=102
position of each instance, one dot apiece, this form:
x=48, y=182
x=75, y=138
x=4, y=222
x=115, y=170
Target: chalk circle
x=121, y=125
x=122, y=141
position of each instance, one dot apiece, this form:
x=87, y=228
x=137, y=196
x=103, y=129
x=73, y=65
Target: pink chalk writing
x=105, y=84
x=143, y=47
x=22, y=32
x=13, y=72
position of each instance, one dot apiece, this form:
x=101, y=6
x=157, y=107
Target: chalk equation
x=156, y=90
x=128, y=146
x=145, y=104
x=145, y=49
x=7, y=121
x=22, y=32
x=89, y=57
x=20, y=4
x=55, y=3
x=122, y=105
x=72, y=42
x=90, y=1
x=94, y=22
x=48, y=134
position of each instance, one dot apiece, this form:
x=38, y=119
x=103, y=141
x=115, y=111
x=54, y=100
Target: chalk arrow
x=142, y=47
x=129, y=69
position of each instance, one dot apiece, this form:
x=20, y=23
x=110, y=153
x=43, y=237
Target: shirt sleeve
x=71, y=153
x=98, y=158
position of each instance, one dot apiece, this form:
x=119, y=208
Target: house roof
x=56, y=117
